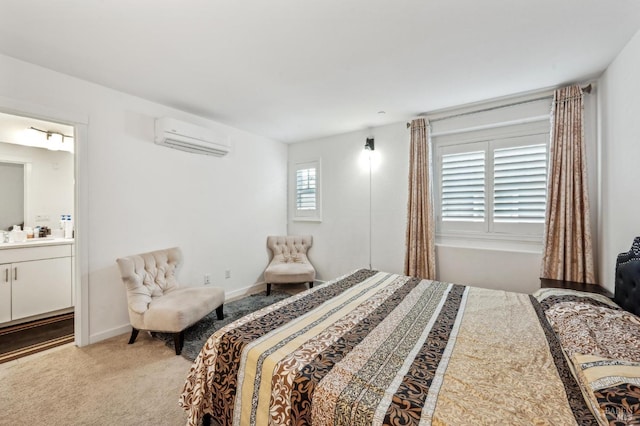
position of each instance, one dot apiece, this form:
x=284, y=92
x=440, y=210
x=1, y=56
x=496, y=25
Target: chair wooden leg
x=134, y=334
x=219, y=312
x=178, y=341
x=310, y=284
x=268, y=289
x=206, y=420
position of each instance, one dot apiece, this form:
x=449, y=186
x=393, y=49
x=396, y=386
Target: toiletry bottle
x=68, y=227
x=17, y=235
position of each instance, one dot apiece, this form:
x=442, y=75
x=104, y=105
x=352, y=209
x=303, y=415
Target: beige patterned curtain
x=420, y=258
x=567, y=251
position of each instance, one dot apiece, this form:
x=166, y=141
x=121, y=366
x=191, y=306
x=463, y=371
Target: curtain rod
x=585, y=89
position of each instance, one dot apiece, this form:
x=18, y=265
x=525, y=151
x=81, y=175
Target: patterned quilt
x=377, y=348
x=602, y=341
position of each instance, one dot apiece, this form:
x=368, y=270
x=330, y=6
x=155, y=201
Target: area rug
x=196, y=335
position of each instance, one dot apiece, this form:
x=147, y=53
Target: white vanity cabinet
x=35, y=280
x=5, y=292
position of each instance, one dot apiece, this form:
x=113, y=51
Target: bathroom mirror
x=36, y=172
x=12, y=194
x=36, y=186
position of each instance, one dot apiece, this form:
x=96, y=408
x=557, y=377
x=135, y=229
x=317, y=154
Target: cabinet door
x=40, y=286
x=5, y=292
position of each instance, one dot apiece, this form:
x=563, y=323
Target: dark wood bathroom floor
x=25, y=339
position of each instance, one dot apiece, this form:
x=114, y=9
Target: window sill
x=307, y=219
x=520, y=244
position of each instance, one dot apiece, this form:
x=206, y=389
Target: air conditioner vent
x=187, y=137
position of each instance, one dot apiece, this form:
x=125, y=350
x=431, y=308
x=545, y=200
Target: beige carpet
x=107, y=383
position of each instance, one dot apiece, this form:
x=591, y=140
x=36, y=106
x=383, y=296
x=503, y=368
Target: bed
x=380, y=348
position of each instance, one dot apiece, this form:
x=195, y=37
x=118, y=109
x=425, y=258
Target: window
x=493, y=188
x=306, y=181
x=489, y=171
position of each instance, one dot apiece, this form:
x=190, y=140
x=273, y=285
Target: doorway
x=45, y=151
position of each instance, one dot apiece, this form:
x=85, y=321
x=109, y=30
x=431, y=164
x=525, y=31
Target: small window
x=306, y=181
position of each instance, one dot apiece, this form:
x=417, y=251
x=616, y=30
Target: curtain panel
x=568, y=253
x=420, y=259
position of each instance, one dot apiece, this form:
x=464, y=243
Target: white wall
x=50, y=190
x=341, y=240
x=144, y=197
x=511, y=270
x=620, y=147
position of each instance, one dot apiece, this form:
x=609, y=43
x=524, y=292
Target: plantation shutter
x=306, y=182
x=520, y=184
x=306, y=189
x=463, y=186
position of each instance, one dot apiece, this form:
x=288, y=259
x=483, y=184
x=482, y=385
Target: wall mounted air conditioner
x=191, y=138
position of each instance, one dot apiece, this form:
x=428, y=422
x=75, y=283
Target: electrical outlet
x=207, y=279
x=42, y=218
x=227, y=274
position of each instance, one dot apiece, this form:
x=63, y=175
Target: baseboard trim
x=255, y=288
x=103, y=335
x=34, y=318
x=117, y=331
x=229, y=295
x=19, y=326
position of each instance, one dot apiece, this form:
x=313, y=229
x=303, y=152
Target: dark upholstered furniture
x=627, y=293
x=572, y=285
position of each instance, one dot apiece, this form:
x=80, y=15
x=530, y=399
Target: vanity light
x=54, y=140
x=50, y=133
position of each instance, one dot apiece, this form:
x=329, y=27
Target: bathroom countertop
x=36, y=242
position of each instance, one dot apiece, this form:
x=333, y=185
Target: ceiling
x=294, y=70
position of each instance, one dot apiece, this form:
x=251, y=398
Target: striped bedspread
x=378, y=348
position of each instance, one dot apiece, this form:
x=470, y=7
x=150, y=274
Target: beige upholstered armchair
x=156, y=300
x=290, y=263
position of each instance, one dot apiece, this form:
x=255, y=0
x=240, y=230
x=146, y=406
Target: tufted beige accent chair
x=156, y=300
x=290, y=263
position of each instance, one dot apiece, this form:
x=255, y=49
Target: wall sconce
x=369, y=145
